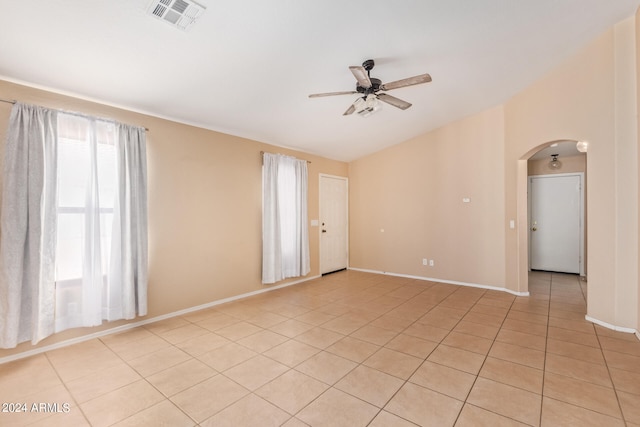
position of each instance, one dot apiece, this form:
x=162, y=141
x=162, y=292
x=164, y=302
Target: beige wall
x=626, y=172
x=204, y=207
x=587, y=98
x=637, y=52
x=414, y=191
x=573, y=102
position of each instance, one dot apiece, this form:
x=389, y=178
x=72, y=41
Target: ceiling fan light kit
x=369, y=87
x=365, y=106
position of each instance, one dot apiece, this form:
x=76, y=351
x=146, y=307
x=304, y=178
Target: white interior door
x=555, y=223
x=334, y=224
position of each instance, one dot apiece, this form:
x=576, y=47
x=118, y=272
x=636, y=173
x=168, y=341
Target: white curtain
x=126, y=294
x=285, y=238
x=88, y=213
x=102, y=240
x=28, y=227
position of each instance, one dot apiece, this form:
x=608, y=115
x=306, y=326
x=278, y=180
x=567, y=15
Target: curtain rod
x=265, y=152
x=13, y=101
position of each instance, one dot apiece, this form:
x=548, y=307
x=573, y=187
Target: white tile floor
x=349, y=349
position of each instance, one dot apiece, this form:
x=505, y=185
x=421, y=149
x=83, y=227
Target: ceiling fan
x=370, y=89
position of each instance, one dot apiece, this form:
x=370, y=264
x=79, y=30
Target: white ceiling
x=247, y=67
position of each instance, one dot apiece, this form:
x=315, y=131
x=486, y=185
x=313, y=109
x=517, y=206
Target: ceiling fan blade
x=350, y=110
x=392, y=100
x=415, y=80
x=362, y=76
x=319, y=95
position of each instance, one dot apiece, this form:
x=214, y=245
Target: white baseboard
x=450, y=282
x=612, y=327
x=133, y=325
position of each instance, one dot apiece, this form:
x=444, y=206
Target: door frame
x=320, y=197
x=582, y=225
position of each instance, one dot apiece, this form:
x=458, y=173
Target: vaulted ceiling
x=246, y=67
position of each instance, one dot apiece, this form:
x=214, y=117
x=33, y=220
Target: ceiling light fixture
x=555, y=163
x=178, y=13
x=367, y=105
x=582, y=146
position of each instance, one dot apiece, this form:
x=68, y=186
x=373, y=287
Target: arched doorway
x=536, y=162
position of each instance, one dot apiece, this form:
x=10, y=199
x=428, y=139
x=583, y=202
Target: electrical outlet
x=431, y=263
x=424, y=261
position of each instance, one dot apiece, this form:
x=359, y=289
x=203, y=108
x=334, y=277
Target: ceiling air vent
x=179, y=13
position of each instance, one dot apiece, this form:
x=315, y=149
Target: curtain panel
x=129, y=247
x=285, y=236
x=73, y=242
x=28, y=227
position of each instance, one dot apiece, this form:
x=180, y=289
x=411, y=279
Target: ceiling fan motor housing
x=375, y=86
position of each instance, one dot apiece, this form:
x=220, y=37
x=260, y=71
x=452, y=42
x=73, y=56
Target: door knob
x=534, y=228
x=324, y=231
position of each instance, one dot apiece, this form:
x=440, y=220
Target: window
x=285, y=250
x=289, y=226
x=86, y=187
x=73, y=249
x=75, y=180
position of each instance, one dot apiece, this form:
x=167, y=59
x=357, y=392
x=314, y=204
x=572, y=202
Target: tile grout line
x=485, y=356
x=546, y=346
x=613, y=384
x=165, y=398
x=64, y=384
x=380, y=409
x=172, y=345
x=330, y=386
x=595, y=333
x=250, y=392
x=192, y=357
x=482, y=365
x=440, y=342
